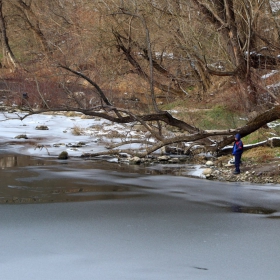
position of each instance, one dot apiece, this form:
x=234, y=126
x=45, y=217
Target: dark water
x=26, y=179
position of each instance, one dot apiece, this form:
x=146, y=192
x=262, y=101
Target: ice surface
x=145, y=238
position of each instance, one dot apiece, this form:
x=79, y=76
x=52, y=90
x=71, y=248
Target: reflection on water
x=9, y=161
x=19, y=161
x=172, y=169
x=25, y=179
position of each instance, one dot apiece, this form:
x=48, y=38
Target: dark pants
x=237, y=160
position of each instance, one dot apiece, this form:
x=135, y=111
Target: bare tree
x=166, y=46
x=26, y=10
x=212, y=140
x=240, y=31
x=9, y=60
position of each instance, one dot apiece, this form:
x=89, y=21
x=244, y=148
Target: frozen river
x=110, y=221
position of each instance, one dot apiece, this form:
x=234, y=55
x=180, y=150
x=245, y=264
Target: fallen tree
x=150, y=50
x=157, y=124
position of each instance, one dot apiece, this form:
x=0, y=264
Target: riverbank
x=80, y=136
x=251, y=172
x=221, y=169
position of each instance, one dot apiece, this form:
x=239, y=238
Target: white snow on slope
x=59, y=136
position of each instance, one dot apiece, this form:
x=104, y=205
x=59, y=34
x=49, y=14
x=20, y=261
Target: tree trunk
x=222, y=15
x=9, y=60
x=253, y=125
x=32, y=20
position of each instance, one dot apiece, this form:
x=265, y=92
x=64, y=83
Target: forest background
x=195, y=71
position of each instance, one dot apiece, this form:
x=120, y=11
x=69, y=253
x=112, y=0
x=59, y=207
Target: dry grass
x=76, y=130
x=258, y=136
x=261, y=154
x=72, y=114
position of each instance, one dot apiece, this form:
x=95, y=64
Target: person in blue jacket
x=237, y=152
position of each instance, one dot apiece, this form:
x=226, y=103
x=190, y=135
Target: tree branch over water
x=212, y=140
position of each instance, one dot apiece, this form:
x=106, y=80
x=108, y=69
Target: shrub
x=76, y=130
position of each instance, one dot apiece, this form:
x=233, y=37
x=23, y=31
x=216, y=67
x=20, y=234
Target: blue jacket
x=238, y=145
